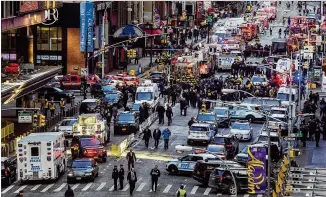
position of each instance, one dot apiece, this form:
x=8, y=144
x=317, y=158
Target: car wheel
x=232, y=190
x=173, y=169
x=250, y=118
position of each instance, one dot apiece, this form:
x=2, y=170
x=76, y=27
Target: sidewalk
x=312, y=156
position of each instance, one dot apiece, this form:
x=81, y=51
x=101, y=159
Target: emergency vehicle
x=323, y=84
x=148, y=92
x=249, y=31
x=41, y=156
x=75, y=81
x=92, y=124
x=284, y=95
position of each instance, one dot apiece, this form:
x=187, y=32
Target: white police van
x=148, y=92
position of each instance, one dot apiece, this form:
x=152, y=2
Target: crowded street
x=195, y=98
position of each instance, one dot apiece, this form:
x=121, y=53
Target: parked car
x=90, y=106
x=207, y=118
x=113, y=98
x=230, y=142
x=246, y=111
x=83, y=169
x=55, y=93
x=218, y=150
x=203, y=169
x=12, y=68
x=222, y=179
x=222, y=116
x=8, y=170
x=242, y=130
x=66, y=126
x=201, y=132
x=126, y=123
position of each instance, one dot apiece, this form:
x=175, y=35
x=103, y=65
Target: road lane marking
x=166, y=190
x=173, y=142
x=126, y=188
x=218, y=194
x=87, y=186
x=207, y=191
x=47, y=187
x=246, y=195
x=7, y=189
x=75, y=186
x=193, y=191
x=60, y=188
x=21, y=188
x=141, y=186
x=111, y=189
x=35, y=188
x=101, y=186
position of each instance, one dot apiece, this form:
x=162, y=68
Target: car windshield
x=272, y=102
x=109, y=88
x=263, y=138
x=284, y=97
x=221, y=111
x=68, y=122
x=216, y=149
x=206, y=117
x=135, y=107
x=126, y=117
x=197, y=128
x=111, y=97
x=278, y=112
x=245, y=150
x=81, y=164
x=58, y=89
x=219, y=140
x=89, y=142
x=156, y=74
x=240, y=126
x=144, y=96
x=258, y=79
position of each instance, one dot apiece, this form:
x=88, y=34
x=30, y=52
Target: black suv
x=55, y=93
x=126, y=123
x=203, y=169
x=221, y=179
x=8, y=170
x=230, y=141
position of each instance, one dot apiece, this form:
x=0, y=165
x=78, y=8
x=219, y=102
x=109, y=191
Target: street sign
x=308, y=49
x=25, y=117
x=83, y=72
x=308, y=56
x=289, y=138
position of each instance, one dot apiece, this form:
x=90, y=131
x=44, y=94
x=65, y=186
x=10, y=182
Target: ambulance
x=148, y=92
x=41, y=156
x=284, y=95
x=92, y=124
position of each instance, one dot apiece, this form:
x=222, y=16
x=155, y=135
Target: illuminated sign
x=256, y=170
x=51, y=16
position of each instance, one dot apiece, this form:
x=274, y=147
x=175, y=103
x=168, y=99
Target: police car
x=201, y=132
x=259, y=80
x=187, y=163
x=242, y=129
x=250, y=112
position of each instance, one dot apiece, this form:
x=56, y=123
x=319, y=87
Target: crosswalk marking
x=156, y=188
x=7, y=189
x=166, y=190
x=126, y=188
x=75, y=186
x=193, y=191
x=207, y=190
x=218, y=194
x=112, y=188
x=101, y=186
x=35, y=188
x=47, y=187
x=19, y=189
x=141, y=186
x=60, y=188
x=246, y=195
x=87, y=186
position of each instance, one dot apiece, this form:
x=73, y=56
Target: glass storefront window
x=49, y=38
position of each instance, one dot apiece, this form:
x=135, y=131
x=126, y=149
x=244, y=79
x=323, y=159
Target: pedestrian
x=169, y=114
x=69, y=192
x=323, y=120
x=114, y=112
x=62, y=107
x=46, y=107
x=147, y=135
x=317, y=134
x=322, y=105
x=155, y=174
x=174, y=97
x=182, y=192
x=166, y=136
x=304, y=130
x=160, y=110
x=280, y=33
x=52, y=108
x=191, y=121
x=183, y=106
x=121, y=176
x=157, y=135
x=132, y=178
x=20, y=194
x=141, y=113
x=270, y=31
x=131, y=158
x=115, y=176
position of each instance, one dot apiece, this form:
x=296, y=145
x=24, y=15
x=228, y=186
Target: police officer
x=147, y=135
x=304, y=131
x=131, y=158
x=52, y=108
x=121, y=176
x=157, y=135
x=182, y=192
x=317, y=134
x=46, y=107
x=62, y=107
x=115, y=176
x=155, y=174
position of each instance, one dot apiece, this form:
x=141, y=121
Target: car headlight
x=70, y=174
x=88, y=174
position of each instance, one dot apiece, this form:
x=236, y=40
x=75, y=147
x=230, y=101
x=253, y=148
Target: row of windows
x=49, y=38
x=9, y=8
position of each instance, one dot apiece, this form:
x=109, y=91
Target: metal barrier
x=8, y=130
x=148, y=122
x=116, y=151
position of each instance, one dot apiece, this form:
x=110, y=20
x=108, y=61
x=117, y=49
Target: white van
x=148, y=92
x=284, y=95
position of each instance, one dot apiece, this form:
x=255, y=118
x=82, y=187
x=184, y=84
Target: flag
x=285, y=160
x=279, y=180
x=278, y=190
x=284, y=169
x=280, y=174
x=274, y=194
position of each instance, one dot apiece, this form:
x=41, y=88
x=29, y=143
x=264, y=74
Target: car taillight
x=100, y=151
x=6, y=172
x=85, y=152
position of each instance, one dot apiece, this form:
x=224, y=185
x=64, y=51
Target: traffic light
x=35, y=120
x=129, y=53
x=294, y=153
x=133, y=53
x=203, y=108
x=42, y=120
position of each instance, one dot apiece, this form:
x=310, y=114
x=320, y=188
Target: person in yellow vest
x=62, y=107
x=46, y=107
x=52, y=108
x=182, y=192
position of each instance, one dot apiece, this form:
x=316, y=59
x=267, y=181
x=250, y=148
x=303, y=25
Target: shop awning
x=128, y=31
x=152, y=32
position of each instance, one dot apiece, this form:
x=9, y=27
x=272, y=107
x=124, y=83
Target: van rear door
x=34, y=165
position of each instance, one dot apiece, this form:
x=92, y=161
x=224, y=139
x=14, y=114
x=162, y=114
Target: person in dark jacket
x=173, y=97
x=132, y=178
x=115, y=176
x=69, y=192
x=20, y=194
x=183, y=106
x=121, y=176
x=317, y=134
x=191, y=121
x=157, y=135
x=169, y=114
x=155, y=174
x=146, y=111
x=131, y=158
x=160, y=110
x=147, y=135
x=141, y=113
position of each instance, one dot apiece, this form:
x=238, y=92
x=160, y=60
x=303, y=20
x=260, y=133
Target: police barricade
x=117, y=150
x=148, y=122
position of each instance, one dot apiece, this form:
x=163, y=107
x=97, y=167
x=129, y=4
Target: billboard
x=257, y=169
x=86, y=26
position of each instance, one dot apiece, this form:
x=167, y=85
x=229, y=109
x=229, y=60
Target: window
x=35, y=152
x=187, y=158
x=49, y=38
